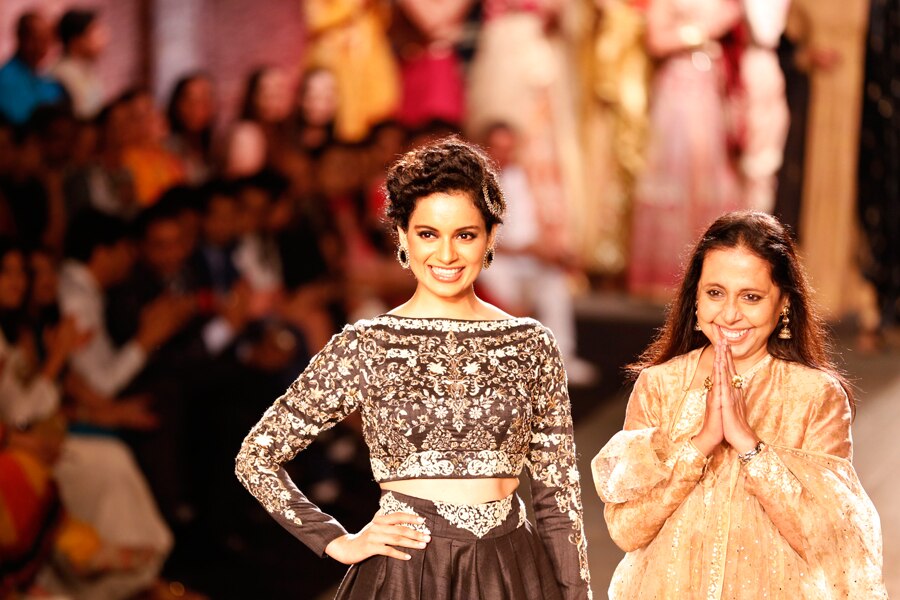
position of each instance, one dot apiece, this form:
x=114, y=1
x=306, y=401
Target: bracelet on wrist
x=748, y=455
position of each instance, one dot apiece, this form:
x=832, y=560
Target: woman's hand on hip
x=380, y=536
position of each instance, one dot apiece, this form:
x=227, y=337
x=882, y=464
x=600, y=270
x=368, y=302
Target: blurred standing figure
x=521, y=75
x=616, y=72
x=530, y=274
x=689, y=179
x=879, y=159
x=765, y=113
x=22, y=85
x=83, y=39
x=830, y=37
x=348, y=37
x=425, y=33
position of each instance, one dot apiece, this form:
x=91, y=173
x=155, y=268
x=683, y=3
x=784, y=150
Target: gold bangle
x=748, y=455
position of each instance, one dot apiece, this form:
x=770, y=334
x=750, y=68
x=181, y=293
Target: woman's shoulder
x=678, y=366
x=808, y=378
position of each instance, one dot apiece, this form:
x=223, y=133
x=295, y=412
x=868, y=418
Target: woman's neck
x=466, y=307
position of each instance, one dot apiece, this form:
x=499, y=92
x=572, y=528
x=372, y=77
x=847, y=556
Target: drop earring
x=403, y=256
x=785, y=333
x=488, y=259
x=696, y=319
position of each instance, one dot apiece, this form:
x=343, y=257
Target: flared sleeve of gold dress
x=794, y=522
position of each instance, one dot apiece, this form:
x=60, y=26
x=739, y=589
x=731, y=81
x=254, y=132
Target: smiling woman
x=457, y=398
x=732, y=475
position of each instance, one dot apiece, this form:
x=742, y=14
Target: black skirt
x=477, y=552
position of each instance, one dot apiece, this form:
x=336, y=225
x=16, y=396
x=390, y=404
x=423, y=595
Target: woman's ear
x=401, y=236
x=492, y=236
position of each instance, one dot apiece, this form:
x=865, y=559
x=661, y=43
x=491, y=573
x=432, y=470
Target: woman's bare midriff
x=455, y=491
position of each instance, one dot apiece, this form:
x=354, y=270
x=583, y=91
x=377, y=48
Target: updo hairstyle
x=447, y=165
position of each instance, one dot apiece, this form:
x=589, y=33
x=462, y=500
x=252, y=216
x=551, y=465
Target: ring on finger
x=707, y=384
x=737, y=382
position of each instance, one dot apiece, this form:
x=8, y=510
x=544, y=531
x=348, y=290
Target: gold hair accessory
x=737, y=382
x=493, y=207
x=785, y=333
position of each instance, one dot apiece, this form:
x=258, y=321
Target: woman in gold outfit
x=732, y=476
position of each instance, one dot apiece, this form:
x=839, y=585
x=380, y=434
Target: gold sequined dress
x=794, y=522
x=440, y=399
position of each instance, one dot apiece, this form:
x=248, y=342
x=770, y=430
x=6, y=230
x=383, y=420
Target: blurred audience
x=191, y=114
x=83, y=39
x=23, y=84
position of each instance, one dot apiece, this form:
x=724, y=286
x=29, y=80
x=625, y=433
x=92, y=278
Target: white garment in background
x=106, y=368
x=516, y=280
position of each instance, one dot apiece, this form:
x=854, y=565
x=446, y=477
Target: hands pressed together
x=380, y=536
x=726, y=411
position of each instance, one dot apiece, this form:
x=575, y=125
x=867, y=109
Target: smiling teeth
x=445, y=272
x=733, y=334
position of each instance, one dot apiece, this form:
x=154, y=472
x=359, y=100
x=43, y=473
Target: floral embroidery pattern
x=389, y=504
x=439, y=398
x=480, y=519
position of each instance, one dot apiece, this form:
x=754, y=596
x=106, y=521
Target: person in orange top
x=153, y=168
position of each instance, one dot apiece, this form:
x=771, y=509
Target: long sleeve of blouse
x=324, y=394
x=555, y=487
x=642, y=475
x=815, y=500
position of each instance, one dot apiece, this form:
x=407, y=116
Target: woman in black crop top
x=456, y=397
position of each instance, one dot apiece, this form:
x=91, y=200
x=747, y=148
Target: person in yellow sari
x=732, y=477
x=349, y=38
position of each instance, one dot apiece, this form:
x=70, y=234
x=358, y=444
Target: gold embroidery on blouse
x=480, y=519
x=390, y=504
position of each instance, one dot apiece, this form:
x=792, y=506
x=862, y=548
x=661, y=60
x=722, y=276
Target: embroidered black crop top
x=439, y=398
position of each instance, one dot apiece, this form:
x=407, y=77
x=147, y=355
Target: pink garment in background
x=689, y=179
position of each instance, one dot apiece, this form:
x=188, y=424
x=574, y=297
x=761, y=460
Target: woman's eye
x=713, y=293
x=752, y=298
x=467, y=235
x=426, y=234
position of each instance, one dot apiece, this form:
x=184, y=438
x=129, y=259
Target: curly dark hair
x=765, y=236
x=446, y=165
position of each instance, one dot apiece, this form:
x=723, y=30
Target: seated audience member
x=176, y=376
x=153, y=168
x=119, y=548
x=191, y=114
x=31, y=185
x=23, y=87
x=213, y=258
x=100, y=255
x=101, y=181
x=83, y=39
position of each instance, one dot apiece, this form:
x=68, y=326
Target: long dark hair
x=763, y=235
x=176, y=124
